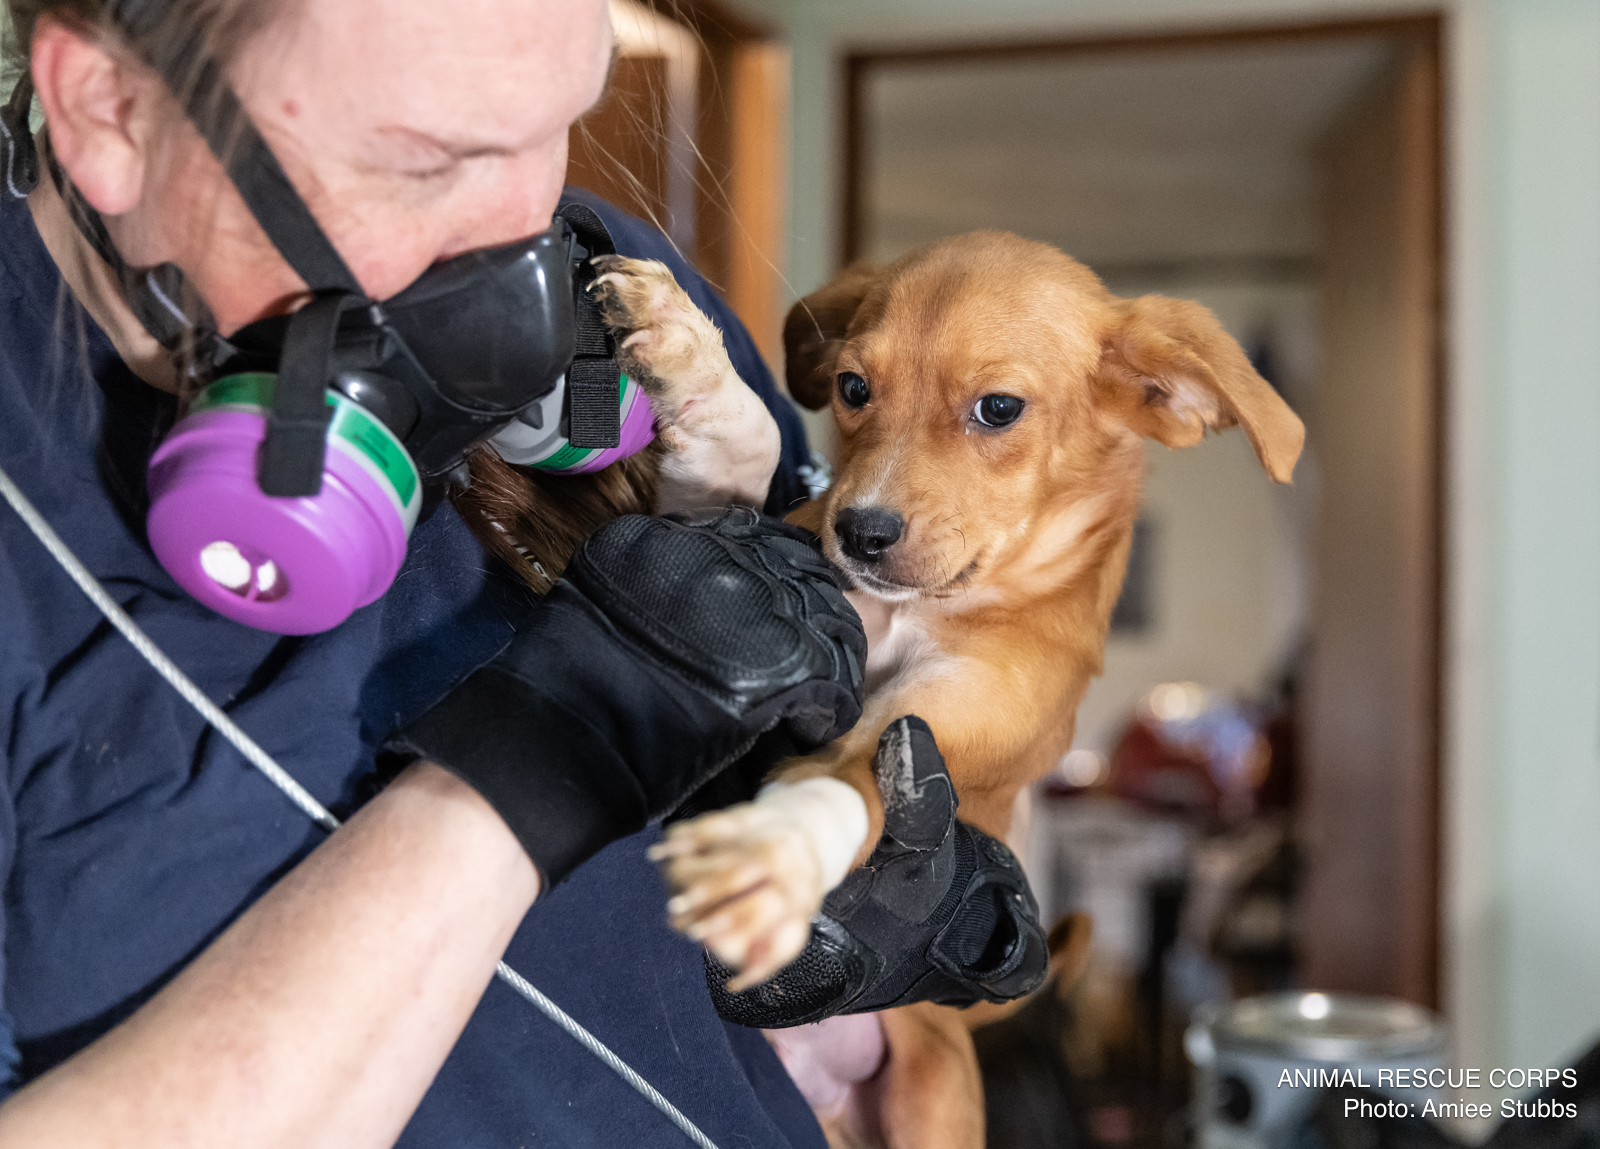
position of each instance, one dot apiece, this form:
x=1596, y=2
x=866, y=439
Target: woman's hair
x=533, y=521
x=219, y=29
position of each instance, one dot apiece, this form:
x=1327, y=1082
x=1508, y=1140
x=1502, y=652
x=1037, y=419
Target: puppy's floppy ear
x=815, y=330
x=1172, y=371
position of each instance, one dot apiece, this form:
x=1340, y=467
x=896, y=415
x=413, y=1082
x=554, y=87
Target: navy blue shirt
x=131, y=834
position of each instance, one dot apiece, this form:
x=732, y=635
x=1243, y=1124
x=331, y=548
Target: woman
x=187, y=960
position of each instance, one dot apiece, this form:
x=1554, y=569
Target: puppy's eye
x=853, y=389
x=997, y=410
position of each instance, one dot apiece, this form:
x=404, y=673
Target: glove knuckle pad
x=725, y=599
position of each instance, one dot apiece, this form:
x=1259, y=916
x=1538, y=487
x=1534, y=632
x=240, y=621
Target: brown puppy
x=992, y=399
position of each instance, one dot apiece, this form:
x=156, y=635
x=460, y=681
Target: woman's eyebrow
x=438, y=148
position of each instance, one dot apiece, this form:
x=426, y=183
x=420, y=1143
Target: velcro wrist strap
x=1016, y=957
x=593, y=379
x=557, y=781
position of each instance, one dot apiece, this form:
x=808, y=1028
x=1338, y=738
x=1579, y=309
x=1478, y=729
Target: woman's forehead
x=416, y=76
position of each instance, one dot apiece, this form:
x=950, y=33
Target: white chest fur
x=900, y=645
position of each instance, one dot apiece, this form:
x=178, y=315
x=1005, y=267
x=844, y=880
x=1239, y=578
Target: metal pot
x=1262, y=1063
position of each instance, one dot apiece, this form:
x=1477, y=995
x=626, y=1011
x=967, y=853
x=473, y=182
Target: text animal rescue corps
x=1440, y=1078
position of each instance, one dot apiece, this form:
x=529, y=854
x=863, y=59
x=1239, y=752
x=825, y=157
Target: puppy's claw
x=786, y=945
x=746, y=882
x=716, y=887
x=700, y=931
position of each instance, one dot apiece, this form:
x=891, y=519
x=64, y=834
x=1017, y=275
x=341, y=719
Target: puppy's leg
x=722, y=442
x=747, y=880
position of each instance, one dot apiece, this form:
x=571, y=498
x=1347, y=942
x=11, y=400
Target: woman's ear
x=816, y=329
x=1172, y=371
x=95, y=105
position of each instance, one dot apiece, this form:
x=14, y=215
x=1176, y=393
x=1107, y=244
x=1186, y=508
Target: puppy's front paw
x=722, y=443
x=746, y=881
x=663, y=340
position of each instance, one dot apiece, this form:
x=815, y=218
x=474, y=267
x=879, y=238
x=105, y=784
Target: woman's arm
x=321, y=1016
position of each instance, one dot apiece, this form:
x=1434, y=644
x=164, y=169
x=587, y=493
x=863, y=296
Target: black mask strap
x=292, y=457
x=273, y=200
x=593, y=409
x=297, y=428
x=197, y=80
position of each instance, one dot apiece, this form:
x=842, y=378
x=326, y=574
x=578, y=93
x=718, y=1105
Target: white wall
x=1522, y=754
x=1545, y=477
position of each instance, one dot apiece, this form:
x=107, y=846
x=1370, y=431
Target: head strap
x=293, y=455
x=197, y=80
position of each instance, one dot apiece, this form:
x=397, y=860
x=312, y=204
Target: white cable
x=165, y=667
x=301, y=797
x=599, y=1048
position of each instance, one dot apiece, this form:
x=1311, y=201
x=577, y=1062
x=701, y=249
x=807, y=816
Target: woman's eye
x=997, y=410
x=853, y=389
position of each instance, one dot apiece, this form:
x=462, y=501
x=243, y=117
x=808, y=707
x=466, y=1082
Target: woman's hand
x=940, y=912
x=667, y=649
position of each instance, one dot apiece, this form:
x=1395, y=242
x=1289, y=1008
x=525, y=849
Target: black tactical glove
x=667, y=649
x=941, y=912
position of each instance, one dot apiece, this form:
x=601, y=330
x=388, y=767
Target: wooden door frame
x=722, y=35
x=1424, y=28
x=726, y=248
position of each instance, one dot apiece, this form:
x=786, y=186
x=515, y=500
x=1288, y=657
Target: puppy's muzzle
x=867, y=533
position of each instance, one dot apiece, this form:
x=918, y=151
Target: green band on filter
x=378, y=444
x=567, y=456
x=247, y=389
x=351, y=429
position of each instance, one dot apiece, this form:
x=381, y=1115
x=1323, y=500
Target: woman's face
x=413, y=129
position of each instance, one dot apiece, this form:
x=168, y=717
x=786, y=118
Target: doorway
x=1289, y=179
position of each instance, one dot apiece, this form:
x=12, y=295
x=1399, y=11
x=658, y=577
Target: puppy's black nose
x=866, y=532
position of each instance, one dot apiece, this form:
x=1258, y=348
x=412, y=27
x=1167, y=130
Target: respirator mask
x=285, y=496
